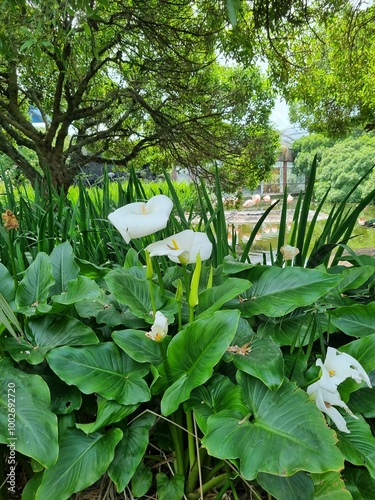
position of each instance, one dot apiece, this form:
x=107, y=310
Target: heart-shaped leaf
x=104, y=369
x=35, y=426
x=82, y=461
x=193, y=353
x=357, y=320
x=283, y=420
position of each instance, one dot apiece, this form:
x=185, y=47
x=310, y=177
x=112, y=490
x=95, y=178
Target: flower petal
x=342, y=366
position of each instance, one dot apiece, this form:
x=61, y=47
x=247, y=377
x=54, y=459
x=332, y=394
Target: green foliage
x=218, y=403
x=142, y=96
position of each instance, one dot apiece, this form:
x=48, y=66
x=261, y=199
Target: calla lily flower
x=326, y=400
x=139, y=219
x=160, y=327
x=183, y=247
x=341, y=366
x=289, y=252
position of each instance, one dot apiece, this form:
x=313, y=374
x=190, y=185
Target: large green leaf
x=220, y=393
x=329, y=486
x=193, y=353
x=354, y=277
x=33, y=290
x=82, y=461
x=357, y=320
x=358, y=447
x=109, y=412
x=130, y=450
x=263, y=360
x=286, y=434
x=104, y=369
x=81, y=288
x=35, y=425
x=130, y=287
x=359, y=483
x=141, y=481
x=214, y=298
x=170, y=488
x=64, y=268
x=288, y=488
x=140, y=347
x=7, y=289
x=46, y=332
x=281, y=291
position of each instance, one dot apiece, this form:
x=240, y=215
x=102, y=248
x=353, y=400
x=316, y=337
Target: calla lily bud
x=149, y=270
x=179, y=291
x=194, y=287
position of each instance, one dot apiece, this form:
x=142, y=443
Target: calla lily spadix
x=160, y=327
x=183, y=247
x=139, y=219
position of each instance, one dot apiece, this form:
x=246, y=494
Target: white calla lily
x=139, y=219
x=326, y=401
x=160, y=327
x=183, y=247
x=341, y=366
x=289, y=252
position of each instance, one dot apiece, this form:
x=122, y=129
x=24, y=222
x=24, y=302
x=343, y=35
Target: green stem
x=153, y=305
x=178, y=446
x=215, y=482
x=191, y=440
x=160, y=278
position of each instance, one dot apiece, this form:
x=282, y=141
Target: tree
x=128, y=81
x=341, y=164
x=324, y=67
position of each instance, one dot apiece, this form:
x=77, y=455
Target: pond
x=269, y=231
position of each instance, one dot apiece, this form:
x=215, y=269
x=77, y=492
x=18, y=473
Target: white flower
x=183, y=247
x=326, y=400
x=341, y=366
x=160, y=327
x=141, y=219
x=289, y=252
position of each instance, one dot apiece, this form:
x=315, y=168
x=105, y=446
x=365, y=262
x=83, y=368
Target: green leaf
x=264, y=361
x=170, y=488
x=193, y=353
x=7, y=289
x=130, y=450
x=214, y=298
x=359, y=483
x=357, y=320
x=219, y=394
x=283, y=420
x=141, y=481
x=81, y=288
x=354, y=277
x=64, y=268
x=140, y=347
x=133, y=289
x=35, y=425
x=281, y=291
x=64, y=398
x=287, y=330
x=82, y=461
x=358, y=447
x=363, y=350
x=104, y=369
x=287, y=488
x=363, y=401
x=109, y=412
x=329, y=486
x=47, y=332
x=32, y=292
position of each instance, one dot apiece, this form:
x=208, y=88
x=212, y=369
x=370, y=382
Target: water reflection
x=269, y=232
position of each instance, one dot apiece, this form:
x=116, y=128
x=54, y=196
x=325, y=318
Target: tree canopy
x=341, y=164
x=324, y=66
x=131, y=83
